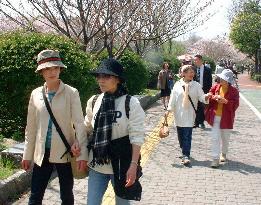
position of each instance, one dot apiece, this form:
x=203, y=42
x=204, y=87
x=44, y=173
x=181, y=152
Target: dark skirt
x=165, y=92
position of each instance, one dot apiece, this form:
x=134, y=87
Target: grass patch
x=7, y=168
x=150, y=92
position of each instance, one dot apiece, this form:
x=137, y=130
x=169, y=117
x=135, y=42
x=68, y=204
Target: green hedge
x=135, y=70
x=136, y=73
x=18, y=52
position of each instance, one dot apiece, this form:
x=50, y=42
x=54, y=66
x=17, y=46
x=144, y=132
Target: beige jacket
x=66, y=107
x=163, y=78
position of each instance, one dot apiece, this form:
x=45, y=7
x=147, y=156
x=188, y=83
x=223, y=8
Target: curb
x=12, y=187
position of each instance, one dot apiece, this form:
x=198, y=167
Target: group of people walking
x=194, y=99
x=108, y=139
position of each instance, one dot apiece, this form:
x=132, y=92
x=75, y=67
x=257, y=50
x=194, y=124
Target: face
x=197, y=61
x=166, y=66
x=51, y=74
x=107, y=83
x=223, y=82
x=189, y=75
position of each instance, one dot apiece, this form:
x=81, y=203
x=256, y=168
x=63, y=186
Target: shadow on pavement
x=240, y=167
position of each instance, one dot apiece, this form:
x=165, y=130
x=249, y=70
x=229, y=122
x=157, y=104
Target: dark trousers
x=185, y=138
x=200, y=116
x=41, y=176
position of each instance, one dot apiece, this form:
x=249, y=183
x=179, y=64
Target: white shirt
x=201, y=75
x=185, y=117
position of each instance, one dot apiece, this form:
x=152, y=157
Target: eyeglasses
x=104, y=76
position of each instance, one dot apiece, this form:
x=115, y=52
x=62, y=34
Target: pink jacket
x=229, y=109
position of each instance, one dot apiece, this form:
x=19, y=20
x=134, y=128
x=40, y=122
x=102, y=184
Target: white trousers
x=220, y=138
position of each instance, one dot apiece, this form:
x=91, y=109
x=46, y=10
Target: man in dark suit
x=204, y=77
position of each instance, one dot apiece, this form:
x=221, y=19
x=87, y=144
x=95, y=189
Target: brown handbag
x=164, y=130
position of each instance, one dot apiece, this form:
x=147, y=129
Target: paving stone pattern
x=167, y=182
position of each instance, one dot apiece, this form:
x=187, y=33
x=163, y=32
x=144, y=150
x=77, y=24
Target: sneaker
x=223, y=157
x=215, y=163
x=185, y=160
x=202, y=126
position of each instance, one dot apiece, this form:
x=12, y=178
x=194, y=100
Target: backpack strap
x=127, y=105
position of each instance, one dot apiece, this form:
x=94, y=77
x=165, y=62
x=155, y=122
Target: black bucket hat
x=111, y=67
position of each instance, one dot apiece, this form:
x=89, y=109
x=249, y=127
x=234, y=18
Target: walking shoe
x=223, y=157
x=215, y=163
x=202, y=126
x=185, y=160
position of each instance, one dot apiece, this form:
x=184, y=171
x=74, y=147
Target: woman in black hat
x=115, y=122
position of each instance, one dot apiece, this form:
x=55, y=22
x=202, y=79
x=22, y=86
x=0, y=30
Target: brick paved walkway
x=166, y=181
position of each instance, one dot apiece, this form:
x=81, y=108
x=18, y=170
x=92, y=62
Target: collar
x=182, y=82
x=60, y=89
x=201, y=67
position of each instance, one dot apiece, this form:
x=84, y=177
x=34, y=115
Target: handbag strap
x=60, y=132
x=190, y=100
x=165, y=123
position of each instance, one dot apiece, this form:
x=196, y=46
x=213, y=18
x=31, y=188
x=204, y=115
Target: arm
x=172, y=99
x=30, y=135
x=136, y=135
x=80, y=128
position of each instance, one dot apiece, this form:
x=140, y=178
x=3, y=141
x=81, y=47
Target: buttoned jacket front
x=67, y=110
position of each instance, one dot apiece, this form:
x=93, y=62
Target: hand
x=26, y=165
x=208, y=95
x=75, y=148
x=82, y=165
x=131, y=175
x=222, y=100
x=215, y=97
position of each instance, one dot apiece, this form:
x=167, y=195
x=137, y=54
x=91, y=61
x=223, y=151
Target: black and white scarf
x=102, y=131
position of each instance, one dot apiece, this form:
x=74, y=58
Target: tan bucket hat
x=49, y=58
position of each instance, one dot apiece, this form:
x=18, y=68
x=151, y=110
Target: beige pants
x=220, y=138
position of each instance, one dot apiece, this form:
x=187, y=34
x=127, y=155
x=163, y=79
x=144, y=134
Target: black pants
x=200, y=116
x=41, y=176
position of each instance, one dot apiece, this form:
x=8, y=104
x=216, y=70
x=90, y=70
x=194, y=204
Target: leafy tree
x=246, y=29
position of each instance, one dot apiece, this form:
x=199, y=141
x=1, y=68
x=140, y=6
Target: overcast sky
x=218, y=24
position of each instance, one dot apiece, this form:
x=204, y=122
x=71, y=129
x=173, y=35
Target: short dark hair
x=198, y=56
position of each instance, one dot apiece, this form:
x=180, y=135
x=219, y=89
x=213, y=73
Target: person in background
x=204, y=78
x=163, y=84
x=207, y=64
x=116, y=134
x=184, y=113
x=224, y=101
x=43, y=145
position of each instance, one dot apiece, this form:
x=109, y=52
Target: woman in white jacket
x=184, y=111
x=116, y=135
x=43, y=145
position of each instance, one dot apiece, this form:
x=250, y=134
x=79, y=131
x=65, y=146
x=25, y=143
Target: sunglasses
x=104, y=76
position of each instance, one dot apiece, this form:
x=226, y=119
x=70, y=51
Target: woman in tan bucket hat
x=44, y=148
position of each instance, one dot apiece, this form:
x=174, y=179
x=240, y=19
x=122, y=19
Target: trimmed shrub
x=136, y=74
x=135, y=70
x=18, y=52
x=153, y=71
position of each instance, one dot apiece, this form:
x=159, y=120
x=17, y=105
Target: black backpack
x=127, y=104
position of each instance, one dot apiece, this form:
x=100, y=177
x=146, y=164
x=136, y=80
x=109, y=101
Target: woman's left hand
x=131, y=175
x=75, y=148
